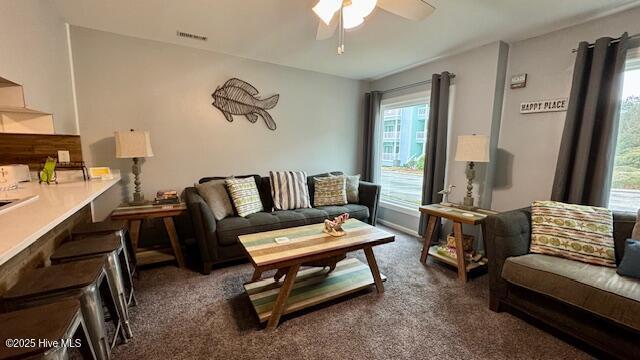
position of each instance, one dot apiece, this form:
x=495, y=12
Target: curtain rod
x=426, y=82
x=616, y=40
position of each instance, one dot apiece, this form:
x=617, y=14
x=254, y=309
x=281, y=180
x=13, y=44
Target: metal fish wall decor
x=237, y=97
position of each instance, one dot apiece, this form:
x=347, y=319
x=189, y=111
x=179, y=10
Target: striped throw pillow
x=330, y=191
x=576, y=232
x=289, y=190
x=245, y=196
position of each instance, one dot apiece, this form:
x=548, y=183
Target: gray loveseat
x=590, y=303
x=217, y=241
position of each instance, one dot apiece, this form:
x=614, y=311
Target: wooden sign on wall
x=542, y=106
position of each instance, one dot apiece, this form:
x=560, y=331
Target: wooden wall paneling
x=33, y=149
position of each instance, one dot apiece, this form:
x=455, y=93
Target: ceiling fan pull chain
x=341, y=32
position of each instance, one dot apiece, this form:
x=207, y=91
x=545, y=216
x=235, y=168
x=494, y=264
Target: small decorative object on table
x=445, y=194
x=334, y=227
x=48, y=171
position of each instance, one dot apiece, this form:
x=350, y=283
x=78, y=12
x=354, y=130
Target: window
x=625, y=189
x=403, y=144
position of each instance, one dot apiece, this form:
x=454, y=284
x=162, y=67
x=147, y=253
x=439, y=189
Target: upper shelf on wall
x=15, y=117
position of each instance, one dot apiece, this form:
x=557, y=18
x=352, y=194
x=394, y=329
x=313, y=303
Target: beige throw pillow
x=330, y=191
x=215, y=194
x=636, y=229
x=576, y=232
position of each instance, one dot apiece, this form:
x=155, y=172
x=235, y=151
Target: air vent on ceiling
x=191, y=36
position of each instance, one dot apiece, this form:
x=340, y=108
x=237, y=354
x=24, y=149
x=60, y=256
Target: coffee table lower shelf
x=312, y=286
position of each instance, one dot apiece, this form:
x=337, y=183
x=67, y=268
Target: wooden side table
x=135, y=215
x=458, y=217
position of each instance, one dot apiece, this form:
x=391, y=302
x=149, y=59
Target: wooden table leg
x=173, y=237
x=283, y=295
x=256, y=275
x=428, y=237
x=373, y=265
x=462, y=267
x=134, y=234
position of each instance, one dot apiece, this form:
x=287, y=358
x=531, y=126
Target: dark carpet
x=424, y=313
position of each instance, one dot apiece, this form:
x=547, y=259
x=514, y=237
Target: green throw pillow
x=245, y=196
x=576, y=232
x=330, y=191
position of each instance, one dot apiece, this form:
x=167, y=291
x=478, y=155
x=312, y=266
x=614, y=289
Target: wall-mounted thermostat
x=518, y=81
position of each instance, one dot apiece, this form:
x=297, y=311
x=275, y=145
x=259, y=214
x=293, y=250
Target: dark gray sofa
x=217, y=241
x=588, y=303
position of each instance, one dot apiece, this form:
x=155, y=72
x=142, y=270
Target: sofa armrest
x=508, y=234
x=204, y=224
x=623, y=223
x=369, y=196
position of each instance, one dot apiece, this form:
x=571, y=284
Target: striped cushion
x=576, y=232
x=245, y=196
x=330, y=191
x=289, y=190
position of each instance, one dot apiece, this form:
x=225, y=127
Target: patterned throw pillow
x=289, y=190
x=352, y=188
x=576, y=232
x=245, y=196
x=330, y=191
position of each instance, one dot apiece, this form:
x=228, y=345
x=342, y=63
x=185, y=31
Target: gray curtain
x=436, y=149
x=371, y=122
x=585, y=161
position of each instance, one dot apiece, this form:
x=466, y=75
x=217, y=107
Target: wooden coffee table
x=301, y=289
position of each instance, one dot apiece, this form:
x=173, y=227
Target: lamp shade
x=133, y=144
x=473, y=148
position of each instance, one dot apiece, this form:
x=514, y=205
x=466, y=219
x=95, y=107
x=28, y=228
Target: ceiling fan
x=348, y=14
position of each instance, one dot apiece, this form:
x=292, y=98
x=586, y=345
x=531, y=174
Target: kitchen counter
x=25, y=223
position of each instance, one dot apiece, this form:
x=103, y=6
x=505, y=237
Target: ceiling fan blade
x=415, y=10
x=326, y=31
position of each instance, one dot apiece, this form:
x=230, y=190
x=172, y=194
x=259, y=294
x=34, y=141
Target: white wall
x=529, y=144
x=34, y=53
x=124, y=82
x=472, y=110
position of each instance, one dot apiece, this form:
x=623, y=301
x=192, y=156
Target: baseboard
x=398, y=227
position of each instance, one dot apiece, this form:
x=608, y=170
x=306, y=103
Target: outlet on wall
x=63, y=156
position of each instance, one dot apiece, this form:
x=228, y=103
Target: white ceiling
x=283, y=31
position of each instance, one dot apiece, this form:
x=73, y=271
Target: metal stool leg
x=116, y=286
x=128, y=268
x=91, y=305
x=82, y=333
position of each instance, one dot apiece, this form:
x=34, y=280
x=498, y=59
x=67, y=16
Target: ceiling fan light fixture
x=325, y=9
x=351, y=17
x=364, y=7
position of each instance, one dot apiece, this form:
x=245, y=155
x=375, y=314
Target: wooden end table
x=135, y=215
x=458, y=216
x=304, y=288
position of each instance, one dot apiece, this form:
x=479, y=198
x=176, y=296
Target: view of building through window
x=402, y=154
x=625, y=192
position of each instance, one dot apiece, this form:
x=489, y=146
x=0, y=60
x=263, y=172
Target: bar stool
x=108, y=245
x=85, y=280
x=127, y=258
x=45, y=332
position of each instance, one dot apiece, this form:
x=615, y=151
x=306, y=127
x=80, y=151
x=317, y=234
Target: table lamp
x=472, y=149
x=134, y=145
